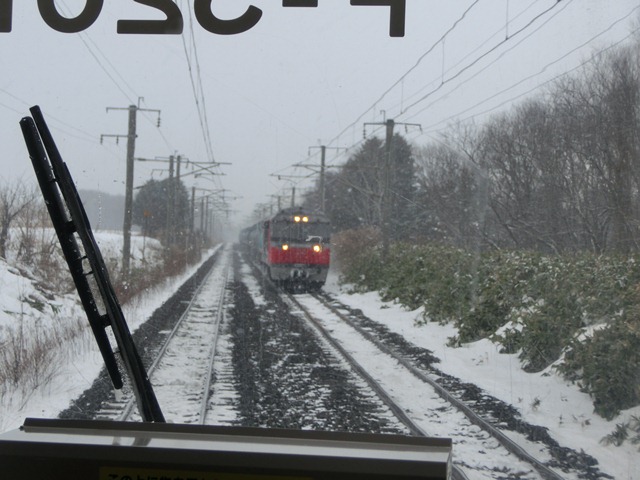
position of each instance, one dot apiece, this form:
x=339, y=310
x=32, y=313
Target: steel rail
x=204, y=407
x=397, y=410
x=502, y=438
x=130, y=404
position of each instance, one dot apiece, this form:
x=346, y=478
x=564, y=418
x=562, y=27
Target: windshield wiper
x=71, y=223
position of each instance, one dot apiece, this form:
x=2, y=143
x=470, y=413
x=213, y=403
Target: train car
x=292, y=248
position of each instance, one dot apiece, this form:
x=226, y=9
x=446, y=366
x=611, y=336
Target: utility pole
x=202, y=215
x=192, y=220
x=386, y=193
x=128, y=197
x=206, y=210
x=205, y=228
x=386, y=182
x=323, y=154
x=278, y=199
x=293, y=189
x=170, y=233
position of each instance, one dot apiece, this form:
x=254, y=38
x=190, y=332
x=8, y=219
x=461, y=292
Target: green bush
x=530, y=304
x=607, y=365
x=432, y=276
x=543, y=306
x=358, y=256
x=499, y=286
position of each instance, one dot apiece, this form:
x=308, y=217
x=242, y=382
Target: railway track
x=453, y=418
x=281, y=373
x=183, y=369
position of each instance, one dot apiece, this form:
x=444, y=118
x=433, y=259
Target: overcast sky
x=301, y=77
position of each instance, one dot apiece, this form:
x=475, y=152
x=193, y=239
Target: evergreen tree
x=151, y=208
x=354, y=196
x=402, y=189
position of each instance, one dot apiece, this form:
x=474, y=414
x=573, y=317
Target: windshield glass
x=478, y=165
x=287, y=231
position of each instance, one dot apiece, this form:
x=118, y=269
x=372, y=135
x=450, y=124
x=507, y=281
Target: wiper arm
x=71, y=223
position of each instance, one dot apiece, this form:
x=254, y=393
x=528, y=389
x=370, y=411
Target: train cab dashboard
x=106, y=450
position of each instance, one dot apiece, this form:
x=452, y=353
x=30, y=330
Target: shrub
x=500, y=282
x=358, y=255
x=531, y=304
x=543, y=305
x=607, y=363
x=623, y=431
x=434, y=276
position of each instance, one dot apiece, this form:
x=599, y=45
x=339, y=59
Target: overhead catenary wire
x=403, y=76
x=559, y=59
x=519, y=82
x=483, y=55
x=197, y=89
x=424, y=55
x=477, y=59
x=441, y=40
x=441, y=78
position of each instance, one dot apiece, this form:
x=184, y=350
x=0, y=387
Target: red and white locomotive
x=292, y=248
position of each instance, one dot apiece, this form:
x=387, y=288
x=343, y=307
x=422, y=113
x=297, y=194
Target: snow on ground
x=66, y=372
x=542, y=398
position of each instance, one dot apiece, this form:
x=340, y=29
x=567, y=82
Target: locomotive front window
x=312, y=232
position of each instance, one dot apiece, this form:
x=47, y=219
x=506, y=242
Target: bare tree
x=601, y=126
x=14, y=199
x=449, y=204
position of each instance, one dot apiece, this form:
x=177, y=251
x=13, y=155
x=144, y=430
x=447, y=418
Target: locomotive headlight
x=317, y=248
x=297, y=219
x=305, y=219
x=285, y=247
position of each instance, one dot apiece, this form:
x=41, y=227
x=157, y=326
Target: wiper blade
x=71, y=224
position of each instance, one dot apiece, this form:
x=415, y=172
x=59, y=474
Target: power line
x=493, y=49
x=84, y=35
x=527, y=78
x=511, y=99
x=198, y=93
x=86, y=39
x=485, y=54
x=424, y=55
x=84, y=135
x=434, y=45
x=479, y=47
x=489, y=64
x=508, y=38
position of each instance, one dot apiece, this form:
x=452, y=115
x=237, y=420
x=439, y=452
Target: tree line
x=558, y=172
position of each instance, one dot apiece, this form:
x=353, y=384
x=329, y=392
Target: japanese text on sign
x=117, y=473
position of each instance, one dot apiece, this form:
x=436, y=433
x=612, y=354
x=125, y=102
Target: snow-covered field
x=69, y=367
x=542, y=398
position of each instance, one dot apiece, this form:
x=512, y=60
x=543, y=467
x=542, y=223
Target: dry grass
x=30, y=356
x=38, y=346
